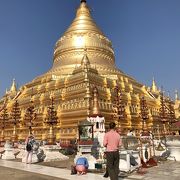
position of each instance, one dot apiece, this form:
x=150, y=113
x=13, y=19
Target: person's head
x=118, y=130
x=112, y=125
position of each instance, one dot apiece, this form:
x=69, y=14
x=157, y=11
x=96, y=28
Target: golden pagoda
x=83, y=59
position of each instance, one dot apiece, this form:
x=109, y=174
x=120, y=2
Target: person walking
x=29, y=148
x=112, y=141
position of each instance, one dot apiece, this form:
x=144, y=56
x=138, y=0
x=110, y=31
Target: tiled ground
x=168, y=170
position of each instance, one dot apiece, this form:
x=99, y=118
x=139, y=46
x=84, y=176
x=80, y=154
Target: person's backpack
x=28, y=146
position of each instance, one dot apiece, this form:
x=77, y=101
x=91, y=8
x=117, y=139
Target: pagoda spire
x=6, y=91
x=13, y=86
x=154, y=87
x=176, y=95
x=96, y=110
x=85, y=60
x=83, y=1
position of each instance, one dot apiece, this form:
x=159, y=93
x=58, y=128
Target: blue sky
x=145, y=36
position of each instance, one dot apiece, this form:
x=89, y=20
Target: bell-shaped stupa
x=83, y=33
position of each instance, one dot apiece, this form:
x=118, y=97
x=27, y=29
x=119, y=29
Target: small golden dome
x=82, y=33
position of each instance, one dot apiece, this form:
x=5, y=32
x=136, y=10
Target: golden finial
x=13, y=86
x=95, y=102
x=85, y=60
x=154, y=87
x=176, y=95
x=83, y=1
x=6, y=91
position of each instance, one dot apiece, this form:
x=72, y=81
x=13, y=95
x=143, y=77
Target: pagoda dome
x=82, y=34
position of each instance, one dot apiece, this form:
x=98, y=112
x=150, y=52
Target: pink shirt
x=112, y=140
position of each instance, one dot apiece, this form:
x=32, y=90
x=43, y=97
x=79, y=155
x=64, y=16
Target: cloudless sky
x=145, y=36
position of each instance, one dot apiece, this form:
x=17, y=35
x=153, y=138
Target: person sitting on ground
x=82, y=165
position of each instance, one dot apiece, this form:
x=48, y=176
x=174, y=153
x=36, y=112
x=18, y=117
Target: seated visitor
x=82, y=165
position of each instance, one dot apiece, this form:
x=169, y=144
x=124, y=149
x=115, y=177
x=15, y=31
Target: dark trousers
x=113, y=164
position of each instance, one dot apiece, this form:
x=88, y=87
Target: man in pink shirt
x=112, y=142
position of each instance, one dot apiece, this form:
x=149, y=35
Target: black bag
x=28, y=147
x=133, y=161
x=73, y=170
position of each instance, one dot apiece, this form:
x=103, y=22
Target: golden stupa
x=83, y=59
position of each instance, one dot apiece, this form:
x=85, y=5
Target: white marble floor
x=169, y=170
x=49, y=171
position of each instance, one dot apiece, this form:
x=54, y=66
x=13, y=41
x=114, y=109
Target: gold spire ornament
x=154, y=87
x=13, y=86
x=85, y=60
x=176, y=95
x=96, y=110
